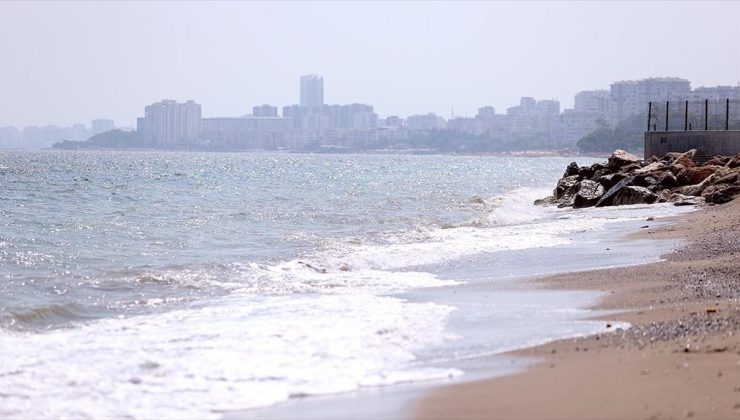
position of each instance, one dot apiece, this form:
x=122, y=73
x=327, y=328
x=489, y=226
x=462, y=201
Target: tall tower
x=312, y=91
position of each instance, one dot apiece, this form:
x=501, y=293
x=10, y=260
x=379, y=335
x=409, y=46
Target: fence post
x=650, y=114
x=686, y=115
x=666, y=115
x=706, y=114
x=727, y=114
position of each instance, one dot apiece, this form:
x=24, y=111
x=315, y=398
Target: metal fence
x=694, y=115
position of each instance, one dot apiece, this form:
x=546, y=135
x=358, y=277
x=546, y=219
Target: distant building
x=393, y=121
x=486, y=112
x=169, y=124
x=715, y=93
x=630, y=97
x=350, y=117
x=101, y=126
x=592, y=101
x=464, y=125
x=574, y=125
x=312, y=92
x=265, y=111
x=532, y=116
x=428, y=121
x=9, y=138
x=80, y=132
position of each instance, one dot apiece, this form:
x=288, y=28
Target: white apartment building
x=428, y=121
x=169, y=124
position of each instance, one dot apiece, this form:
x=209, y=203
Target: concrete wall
x=658, y=143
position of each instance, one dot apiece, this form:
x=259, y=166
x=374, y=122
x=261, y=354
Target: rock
x=586, y=172
x=687, y=201
x=666, y=196
x=611, y=180
x=599, y=173
x=630, y=169
x=733, y=163
x=565, y=185
x=634, y=195
x=670, y=157
x=676, y=169
x=608, y=197
x=588, y=194
x=571, y=170
x=730, y=178
x=686, y=159
x=621, y=158
x=703, y=172
x=667, y=180
x=718, y=160
x=547, y=201
x=723, y=195
x=695, y=175
x=655, y=166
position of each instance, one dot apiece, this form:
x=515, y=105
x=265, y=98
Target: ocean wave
x=49, y=315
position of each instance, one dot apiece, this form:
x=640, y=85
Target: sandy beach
x=681, y=358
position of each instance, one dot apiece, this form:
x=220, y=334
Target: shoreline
x=491, y=275
x=681, y=358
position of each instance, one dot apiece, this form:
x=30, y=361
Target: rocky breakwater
x=680, y=178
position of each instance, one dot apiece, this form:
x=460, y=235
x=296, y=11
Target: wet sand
x=681, y=358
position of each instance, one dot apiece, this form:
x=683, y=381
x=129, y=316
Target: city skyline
x=533, y=122
x=261, y=109
x=79, y=61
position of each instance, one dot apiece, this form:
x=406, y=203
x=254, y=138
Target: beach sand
x=681, y=358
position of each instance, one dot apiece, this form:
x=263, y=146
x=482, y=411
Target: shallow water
x=183, y=284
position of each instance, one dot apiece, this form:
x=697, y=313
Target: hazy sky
x=70, y=62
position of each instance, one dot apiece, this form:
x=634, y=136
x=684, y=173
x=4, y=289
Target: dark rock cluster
x=680, y=178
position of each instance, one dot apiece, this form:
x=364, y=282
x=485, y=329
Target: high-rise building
x=592, y=101
x=312, y=92
x=169, y=124
x=265, y=111
x=101, y=126
x=632, y=96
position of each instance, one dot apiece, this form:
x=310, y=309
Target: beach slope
x=681, y=358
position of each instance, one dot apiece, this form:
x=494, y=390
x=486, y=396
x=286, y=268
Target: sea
x=189, y=285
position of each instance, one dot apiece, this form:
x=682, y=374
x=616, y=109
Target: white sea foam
x=235, y=354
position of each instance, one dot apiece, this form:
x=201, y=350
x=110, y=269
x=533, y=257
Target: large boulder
x=733, y=177
x=621, y=158
x=588, y=194
x=611, y=180
x=634, y=195
x=653, y=167
x=723, y=195
x=565, y=185
x=667, y=180
x=718, y=160
x=571, y=170
x=686, y=159
x=696, y=174
x=608, y=198
x=586, y=172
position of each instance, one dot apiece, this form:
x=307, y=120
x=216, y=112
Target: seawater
x=151, y=284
